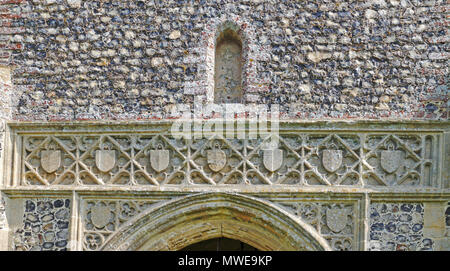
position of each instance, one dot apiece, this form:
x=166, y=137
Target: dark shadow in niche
x=228, y=68
x=219, y=244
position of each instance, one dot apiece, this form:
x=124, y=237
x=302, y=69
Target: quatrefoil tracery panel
x=64, y=158
x=398, y=160
x=175, y=153
x=301, y=159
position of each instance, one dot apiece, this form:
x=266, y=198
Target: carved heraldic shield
x=50, y=160
x=391, y=159
x=332, y=160
x=216, y=159
x=336, y=219
x=105, y=160
x=159, y=159
x=273, y=159
x=100, y=215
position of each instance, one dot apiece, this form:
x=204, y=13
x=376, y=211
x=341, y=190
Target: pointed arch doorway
x=179, y=223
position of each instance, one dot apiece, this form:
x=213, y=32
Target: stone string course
x=90, y=60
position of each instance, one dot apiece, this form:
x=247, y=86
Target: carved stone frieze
x=300, y=158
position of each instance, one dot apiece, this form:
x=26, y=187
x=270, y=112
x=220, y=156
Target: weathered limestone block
x=435, y=223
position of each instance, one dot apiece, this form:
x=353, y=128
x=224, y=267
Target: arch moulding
x=178, y=223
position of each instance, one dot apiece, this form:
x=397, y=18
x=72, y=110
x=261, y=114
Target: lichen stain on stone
x=245, y=217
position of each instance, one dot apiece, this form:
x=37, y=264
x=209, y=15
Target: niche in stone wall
x=228, y=68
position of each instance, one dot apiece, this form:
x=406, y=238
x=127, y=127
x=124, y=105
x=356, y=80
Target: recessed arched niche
x=228, y=68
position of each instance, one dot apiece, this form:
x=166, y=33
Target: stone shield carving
x=105, y=160
x=100, y=215
x=159, y=159
x=273, y=159
x=332, y=160
x=390, y=160
x=216, y=159
x=50, y=160
x=336, y=219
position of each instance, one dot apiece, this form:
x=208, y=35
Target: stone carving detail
x=302, y=159
x=103, y=218
x=45, y=225
x=50, y=160
x=159, y=159
x=105, y=160
x=273, y=159
x=334, y=221
x=93, y=241
x=399, y=160
x=216, y=158
x=332, y=160
x=397, y=227
x=100, y=215
x=390, y=159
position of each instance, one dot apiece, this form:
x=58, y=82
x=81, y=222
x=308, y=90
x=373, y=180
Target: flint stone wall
x=45, y=225
x=89, y=60
x=74, y=60
x=398, y=227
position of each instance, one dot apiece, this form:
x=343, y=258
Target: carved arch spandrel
x=180, y=222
